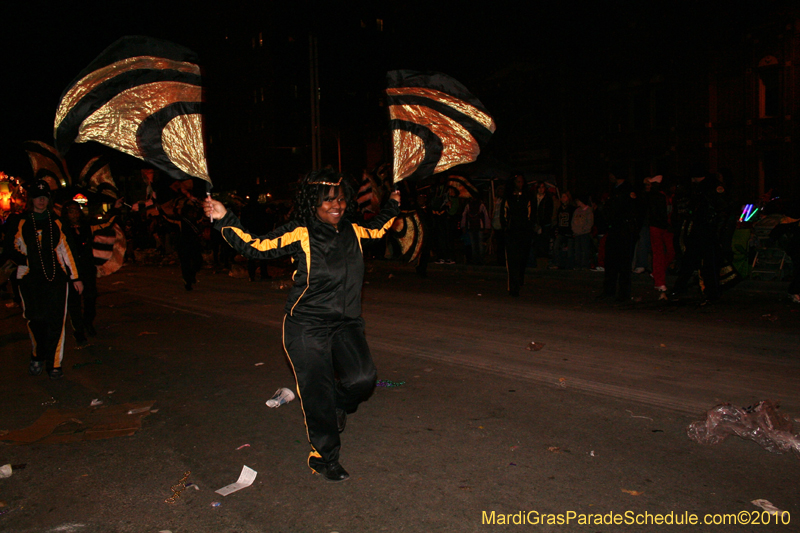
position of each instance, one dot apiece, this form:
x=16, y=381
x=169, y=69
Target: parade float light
x=7, y=186
x=5, y=196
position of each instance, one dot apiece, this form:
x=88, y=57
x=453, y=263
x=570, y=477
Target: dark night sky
x=46, y=44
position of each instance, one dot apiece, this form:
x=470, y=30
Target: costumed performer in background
x=45, y=265
x=82, y=307
x=323, y=331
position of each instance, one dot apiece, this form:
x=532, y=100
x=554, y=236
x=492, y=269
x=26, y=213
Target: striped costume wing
x=409, y=232
x=463, y=187
x=96, y=176
x=365, y=194
x=47, y=164
x=436, y=123
x=141, y=96
x=108, y=249
x=372, y=190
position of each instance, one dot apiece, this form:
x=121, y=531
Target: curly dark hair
x=318, y=186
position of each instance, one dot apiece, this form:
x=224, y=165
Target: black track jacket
x=330, y=261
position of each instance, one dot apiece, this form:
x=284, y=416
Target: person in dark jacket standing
x=517, y=226
x=189, y=247
x=621, y=216
x=82, y=307
x=543, y=218
x=45, y=265
x=707, y=204
x=323, y=332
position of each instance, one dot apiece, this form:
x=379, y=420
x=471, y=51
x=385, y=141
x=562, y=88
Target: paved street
x=593, y=423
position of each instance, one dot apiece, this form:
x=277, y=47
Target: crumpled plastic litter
x=761, y=423
x=281, y=397
x=535, y=346
x=767, y=506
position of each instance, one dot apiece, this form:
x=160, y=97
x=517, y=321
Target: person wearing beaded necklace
x=44, y=265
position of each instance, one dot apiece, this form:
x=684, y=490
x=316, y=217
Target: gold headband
x=330, y=183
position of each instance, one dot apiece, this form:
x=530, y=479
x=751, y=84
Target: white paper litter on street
x=246, y=479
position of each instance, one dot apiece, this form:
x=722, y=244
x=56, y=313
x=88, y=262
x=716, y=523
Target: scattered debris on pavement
x=761, y=423
x=535, y=346
x=767, y=506
x=88, y=423
x=246, y=479
x=177, y=488
x=282, y=396
x=638, y=416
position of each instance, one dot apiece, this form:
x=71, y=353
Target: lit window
x=379, y=24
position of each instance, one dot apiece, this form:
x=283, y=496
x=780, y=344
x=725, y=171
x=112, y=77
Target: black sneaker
x=56, y=373
x=332, y=471
x=35, y=368
x=80, y=339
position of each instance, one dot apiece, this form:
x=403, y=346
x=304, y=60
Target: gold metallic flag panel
x=436, y=123
x=97, y=77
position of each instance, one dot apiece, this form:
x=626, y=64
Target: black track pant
x=82, y=308
x=321, y=351
x=619, y=256
x=702, y=251
x=191, y=259
x=518, y=247
x=45, y=307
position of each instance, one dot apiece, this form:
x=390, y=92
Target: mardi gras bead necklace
x=39, y=245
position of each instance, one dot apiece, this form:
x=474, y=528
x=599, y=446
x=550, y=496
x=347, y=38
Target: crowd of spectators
x=659, y=226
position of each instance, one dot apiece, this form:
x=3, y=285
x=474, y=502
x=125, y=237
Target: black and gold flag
x=47, y=164
x=409, y=232
x=463, y=187
x=96, y=176
x=141, y=96
x=436, y=123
